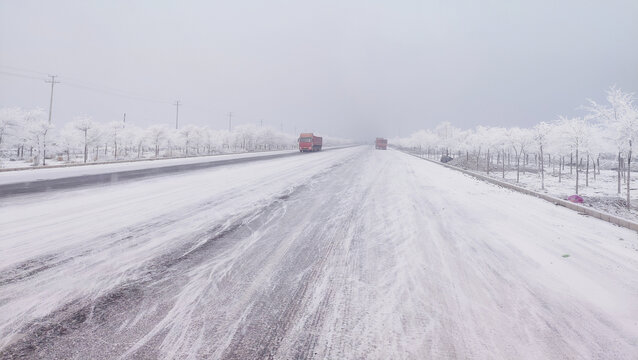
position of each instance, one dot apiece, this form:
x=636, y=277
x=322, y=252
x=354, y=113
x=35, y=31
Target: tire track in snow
x=79, y=315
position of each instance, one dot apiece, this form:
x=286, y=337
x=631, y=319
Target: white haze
x=357, y=69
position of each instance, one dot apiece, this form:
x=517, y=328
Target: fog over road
x=347, y=254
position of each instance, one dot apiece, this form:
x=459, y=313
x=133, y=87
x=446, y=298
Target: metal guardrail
x=556, y=201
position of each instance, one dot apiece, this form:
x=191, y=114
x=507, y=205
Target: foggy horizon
x=355, y=70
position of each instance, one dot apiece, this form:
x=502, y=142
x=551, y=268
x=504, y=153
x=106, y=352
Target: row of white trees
x=27, y=135
x=607, y=130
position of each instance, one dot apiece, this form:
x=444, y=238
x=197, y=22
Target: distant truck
x=310, y=142
x=381, y=144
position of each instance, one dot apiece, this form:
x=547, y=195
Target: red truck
x=310, y=142
x=381, y=144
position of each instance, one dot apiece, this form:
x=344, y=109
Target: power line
x=77, y=84
x=24, y=70
x=20, y=75
x=113, y=92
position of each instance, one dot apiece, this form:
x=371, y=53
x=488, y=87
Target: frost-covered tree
x=576, y=132
x=518, y=140
x=495, y=143
x=136, y=139
x=38, y=130
x=114, y=131
x=157, y=135
x=35, y=130
x=186, y=136
x=88, y=131
x=620, y=115
x=541, y=133
x=448, y=136
x=9, y=118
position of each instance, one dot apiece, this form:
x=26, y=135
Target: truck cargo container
x=310, y=142
x=381, y=144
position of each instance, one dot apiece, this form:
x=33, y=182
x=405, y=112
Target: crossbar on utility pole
x=177, y=114
x=52, y=82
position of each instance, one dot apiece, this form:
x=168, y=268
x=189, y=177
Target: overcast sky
x=344, y=68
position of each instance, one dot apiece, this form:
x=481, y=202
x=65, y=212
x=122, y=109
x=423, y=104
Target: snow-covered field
x=599, y=192
x=352, y=253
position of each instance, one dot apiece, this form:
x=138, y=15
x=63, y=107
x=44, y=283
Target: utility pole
x=230, y=121
x=261, y=123
x=176, y=114
x=124, y=122
x=52, y=82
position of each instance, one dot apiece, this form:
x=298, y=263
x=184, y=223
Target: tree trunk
x=571, y=163
x=587, y=172
x=576, y=172
x=487, y=163
x=86, y=148
x=518, y=164
x=542, y=170
x=44, y=150
x=628, y=177
x=560, y=170
x=503, y=164
x=598, y=163
x=619, y=162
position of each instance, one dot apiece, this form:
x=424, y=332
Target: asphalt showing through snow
x=363, y=254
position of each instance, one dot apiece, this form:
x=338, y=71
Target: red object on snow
x=310, y=142
x=575, y=199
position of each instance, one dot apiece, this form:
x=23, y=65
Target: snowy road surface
x=347, y=254
x=31, y=181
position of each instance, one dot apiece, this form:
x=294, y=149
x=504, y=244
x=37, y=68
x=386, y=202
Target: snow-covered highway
x=347, y=254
